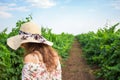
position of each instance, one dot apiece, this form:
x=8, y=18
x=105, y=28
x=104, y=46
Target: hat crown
x=30, y=27
x=34, y=36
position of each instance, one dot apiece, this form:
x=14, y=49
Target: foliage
x=103, y=49
x=11, y=62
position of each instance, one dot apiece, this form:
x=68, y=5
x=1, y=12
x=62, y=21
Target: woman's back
x=41, y=61
x=35, y=69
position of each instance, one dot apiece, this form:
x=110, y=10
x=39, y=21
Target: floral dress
x=33, y=71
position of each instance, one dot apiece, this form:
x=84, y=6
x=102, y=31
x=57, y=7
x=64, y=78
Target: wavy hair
x=49, y=54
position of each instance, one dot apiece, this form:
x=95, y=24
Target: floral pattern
x=32, y=71
x=34, y=36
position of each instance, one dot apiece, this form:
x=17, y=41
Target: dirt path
x=75, y=67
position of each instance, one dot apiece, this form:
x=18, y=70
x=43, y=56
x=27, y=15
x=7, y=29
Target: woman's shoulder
x=33, y=58
x=28, y=58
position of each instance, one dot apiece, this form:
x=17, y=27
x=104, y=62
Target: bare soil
x=75, y=67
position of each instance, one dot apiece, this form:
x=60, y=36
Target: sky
x=69, y=16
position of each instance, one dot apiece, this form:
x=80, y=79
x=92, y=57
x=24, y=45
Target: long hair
x=49, y=55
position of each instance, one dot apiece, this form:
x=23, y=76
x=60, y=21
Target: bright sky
x=69, y=16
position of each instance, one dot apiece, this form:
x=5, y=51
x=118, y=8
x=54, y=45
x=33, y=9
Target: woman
x=41, y=61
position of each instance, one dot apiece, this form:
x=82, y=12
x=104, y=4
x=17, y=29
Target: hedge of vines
x=102, y=49
x=11, y=62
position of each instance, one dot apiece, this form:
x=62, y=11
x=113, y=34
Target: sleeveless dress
x=38, y=71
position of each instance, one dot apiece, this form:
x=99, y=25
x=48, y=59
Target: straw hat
x=29, y=32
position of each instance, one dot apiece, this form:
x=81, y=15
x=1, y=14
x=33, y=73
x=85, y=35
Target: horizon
x=68, y=16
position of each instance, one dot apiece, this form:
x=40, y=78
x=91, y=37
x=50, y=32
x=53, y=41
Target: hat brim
x=16, y=41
